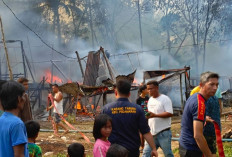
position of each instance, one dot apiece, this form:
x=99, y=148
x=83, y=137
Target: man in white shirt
x=58, y=108
x=159, y=119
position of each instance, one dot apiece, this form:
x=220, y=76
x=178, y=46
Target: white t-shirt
x=159, y=105
x=58, y=105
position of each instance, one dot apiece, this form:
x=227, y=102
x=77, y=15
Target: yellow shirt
x=195, y=90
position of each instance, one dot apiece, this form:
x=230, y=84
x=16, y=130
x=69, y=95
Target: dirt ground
x=55, y=146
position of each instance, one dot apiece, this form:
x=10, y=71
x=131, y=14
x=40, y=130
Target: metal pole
x=29, y=67
x=160, y=62
x=7, y=57
x=31, y=55
x=140, y=27
x=59, y=70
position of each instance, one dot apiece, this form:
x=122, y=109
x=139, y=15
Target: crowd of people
x=123, y=128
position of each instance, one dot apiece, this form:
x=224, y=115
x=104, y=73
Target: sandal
x=65, y=132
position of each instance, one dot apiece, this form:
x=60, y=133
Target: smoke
x=38, y=54
x=122, y=36
x=219, y=59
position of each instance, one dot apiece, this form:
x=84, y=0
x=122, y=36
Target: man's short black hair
x=100, y=122
x=56, y=85
x=76, y=150
x=117, y=150
x=33, y=128
x=141, y=88
x=1, y=83
x=154, y=82
x=9, y=94
x=123, y=87
x=22, y=80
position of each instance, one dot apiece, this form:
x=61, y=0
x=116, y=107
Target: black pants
x=134, y=153
x=189, y=153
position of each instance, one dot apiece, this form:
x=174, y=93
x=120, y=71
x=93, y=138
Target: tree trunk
x=74, y=18
x=196, y=48
x=168, y=41
x=91, y=22
x=57, y=24
x=207, y=26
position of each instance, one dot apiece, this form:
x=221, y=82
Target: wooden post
x=144, y=77
x=95, y=106
x=186, y=88
x=181, y=95
x=104, y=98
x=7, y=57
x=79, y=61
x=107, y=63
x=52, y=68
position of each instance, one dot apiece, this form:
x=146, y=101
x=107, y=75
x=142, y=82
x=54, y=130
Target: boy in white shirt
x=58, y=109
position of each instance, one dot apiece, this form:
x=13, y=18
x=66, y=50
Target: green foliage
x=168, y=20
x=228, y=149
x=175, y=151
x=71, y=118
x=168, y=24
x=60, y=155
x=226, y=145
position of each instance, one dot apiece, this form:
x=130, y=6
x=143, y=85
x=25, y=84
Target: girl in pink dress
x=101, y=131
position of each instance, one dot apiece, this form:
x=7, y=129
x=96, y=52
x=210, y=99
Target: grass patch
x=226, y=145
x=175, y=151
x=60, y=155
x=227, y=149
x=71, y=118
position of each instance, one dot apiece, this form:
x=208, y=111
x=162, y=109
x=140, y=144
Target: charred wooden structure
x=99, y=80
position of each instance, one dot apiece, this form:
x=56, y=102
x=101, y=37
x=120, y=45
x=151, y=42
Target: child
x=142, y=95
x=101, y=131
x=116, y=150
x=76, y=150
x=33, y=128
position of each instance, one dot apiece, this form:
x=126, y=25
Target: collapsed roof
x=163, y=75
x=99, y=76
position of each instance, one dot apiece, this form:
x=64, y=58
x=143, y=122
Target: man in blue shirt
x=128, y=120
x=13, y=136
x=192, y=140
x=212, y=110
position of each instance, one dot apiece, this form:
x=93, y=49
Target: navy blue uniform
x=128, y=120
x=194, y=110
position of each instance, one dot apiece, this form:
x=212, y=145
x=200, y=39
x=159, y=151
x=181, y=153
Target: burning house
x=99, y=80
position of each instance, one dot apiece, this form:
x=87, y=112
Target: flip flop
x=57, y=135
x=66, y=131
